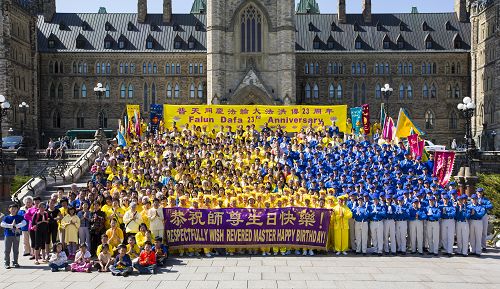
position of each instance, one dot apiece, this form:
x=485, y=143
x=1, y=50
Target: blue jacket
x=486, y=204
x=390, y=213
x=125, y=260
x=377, y=212
x=448, y=212
x=8, y=225
x=414, y=213
x=477, y=212
x=462, y=213
x=360, y=214
x=433, y=213
x=401, y=213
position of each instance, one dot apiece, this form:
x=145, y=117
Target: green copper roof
x=199, y=7
x=307, y=7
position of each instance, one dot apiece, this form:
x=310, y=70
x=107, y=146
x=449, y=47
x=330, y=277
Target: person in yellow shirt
x=104, y=240
x=132, y=249
x=341, y=215
x=115, y=234
x=143, y=236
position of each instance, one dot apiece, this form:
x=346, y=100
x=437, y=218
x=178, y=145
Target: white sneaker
x=338, y=253
x=297, y=252
x=304, y=253
x=208, y=255
x=190, y=254
x=276, y=253
x=181, y=254
x=283, y=253
x=197, y=254
x=311, y=253
x=344, y=253
x=231, y=254
x=263, y=253
x=288, y=252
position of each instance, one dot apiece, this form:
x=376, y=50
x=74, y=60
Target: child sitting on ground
x=58, y=259
x=122, y=265
x=104, y=259
x=147, y=260
x=161, y=252
x=82, y=260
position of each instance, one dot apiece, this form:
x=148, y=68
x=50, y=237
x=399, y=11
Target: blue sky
x=326, y=6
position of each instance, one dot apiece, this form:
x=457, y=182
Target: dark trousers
x=11, y=244
x=55, y=267
x=145, y=269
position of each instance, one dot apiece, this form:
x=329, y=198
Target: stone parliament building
x=249, y=52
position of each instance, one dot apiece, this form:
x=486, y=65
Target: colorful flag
x=405, y=125
x=133, y=120
x=443, y=166
x=121, y=139
x=356, y=119
x=366, y=118
x=156, y=116
x=413, y=144
x=388, y=131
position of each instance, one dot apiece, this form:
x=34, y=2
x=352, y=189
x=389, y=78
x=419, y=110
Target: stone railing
x=60, y=174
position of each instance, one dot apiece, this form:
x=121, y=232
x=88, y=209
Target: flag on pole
x=405, y=125
x=356, y=119
x=443, y=166
x=388, y=131
x=121, y=139
x=382, y=115
x=366, y=118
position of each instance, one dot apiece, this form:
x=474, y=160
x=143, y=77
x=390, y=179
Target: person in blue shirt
x=12, y=225
x=416, y=217
x=462, y=225
x=389, y=225
x=123, y=264
x=361, y=216
x=477, y=213
x=448, y=212
x=377, y=216
x=400, y=216
x=433, y=217
x=488, y=206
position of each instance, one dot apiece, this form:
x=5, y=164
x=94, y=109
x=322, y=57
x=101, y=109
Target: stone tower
x=308, y=7
x=142, y=10
x=367, y=11
x=251, y=51
x=342, y=13
x=167, y=11
x=47, y=8
x=461, y=10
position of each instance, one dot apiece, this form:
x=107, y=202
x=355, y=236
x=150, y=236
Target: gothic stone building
x=249, y=52
x=485, y=65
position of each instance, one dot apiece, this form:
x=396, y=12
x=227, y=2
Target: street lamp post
x=23, y=107
x=99, y=91
x=467, y=107
x=387, y=91
x=4, y=109
x=466, y=176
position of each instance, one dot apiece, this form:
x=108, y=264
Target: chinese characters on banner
x=366, y=118
x=246, y=228
x=291, y=118
x=156, y=116
x=443, y=166
x=357, y=120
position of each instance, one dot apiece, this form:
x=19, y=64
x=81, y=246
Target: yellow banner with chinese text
x=290, y=118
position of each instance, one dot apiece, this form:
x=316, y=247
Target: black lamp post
x=387, y=92
x=99, y=92
x=467, y=107
x=23, y=107
x=4, y=109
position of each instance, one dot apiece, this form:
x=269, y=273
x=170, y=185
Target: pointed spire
x=307, y=7
x=199, y=7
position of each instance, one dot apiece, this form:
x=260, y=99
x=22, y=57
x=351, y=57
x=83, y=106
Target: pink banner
x=443, y=166
x=366, y=118
x=388, y=132
x=413, y=144
x=420, y=146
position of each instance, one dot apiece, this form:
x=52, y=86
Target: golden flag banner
x=291, y=118
x=133, y=118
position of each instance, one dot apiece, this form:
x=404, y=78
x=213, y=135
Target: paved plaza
x=278, y=272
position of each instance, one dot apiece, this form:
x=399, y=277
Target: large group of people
x=382, y=199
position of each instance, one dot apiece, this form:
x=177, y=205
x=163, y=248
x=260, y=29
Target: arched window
x=453, y=120
x=457, y=91
x=425, y=91
x=447, y=68
x=74, y=67
x=316, y=71
x=358, y=68
x=410, y=68
x=376, y=68
x=121, y=68
x=400, y=68
x=51, y=67
x=56, y=119
x=200, y=90
x=56, y=67
x=453, y=68
x=316, y=91
x=409, y=91
x=177, y=91
x=108, y=91
x=191, y=91
x=340, y=93
x=98, y=68
x=308, y=91
x=329, y=69
x=311, y=68
x=103, y=119
x=80, y=119
x=123, y=91
x=145, y=97
x=331, y=91
x=402, y=91
x=251, y=30
x=429, y=120
x=80, y=67
x=52, y=91
x=60, y=93
x=364, y=68
x=449, y=91
x=85, y=68
x=130, y=91
x=387, y=70
x=378, y=91
x=169, y=90
x=306, y=69
x=433, y=91
x=84, y=90
x=144, y=69
x=76, y=91
x=108, y=68
x=153, y=93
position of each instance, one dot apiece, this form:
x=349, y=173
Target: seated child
x=58, y=259
x=147, y=260
x=104, y=260
x=122, y=265
x=161, y=252
x=132, y=249
x=82, y=260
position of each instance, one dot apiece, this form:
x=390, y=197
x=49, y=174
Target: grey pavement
x=320, y=271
